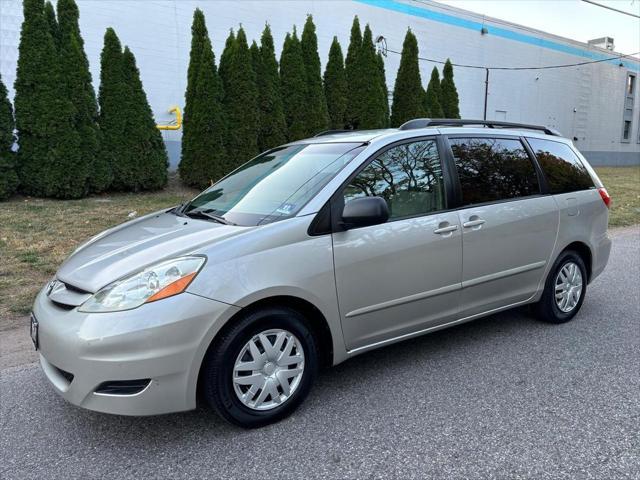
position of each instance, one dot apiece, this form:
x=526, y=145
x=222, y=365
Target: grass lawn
x=36, y=235
x=623, y=184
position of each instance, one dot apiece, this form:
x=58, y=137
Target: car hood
x=134, y=245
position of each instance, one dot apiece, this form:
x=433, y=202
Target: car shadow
x=333, y=385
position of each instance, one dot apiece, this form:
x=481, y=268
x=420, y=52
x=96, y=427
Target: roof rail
x=460, y=122
x=331, y=132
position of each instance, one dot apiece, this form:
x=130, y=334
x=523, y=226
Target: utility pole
x=486, y=93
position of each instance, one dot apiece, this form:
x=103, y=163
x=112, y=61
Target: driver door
x=402, y=276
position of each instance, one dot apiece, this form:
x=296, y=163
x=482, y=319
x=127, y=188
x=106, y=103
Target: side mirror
x=365, y=211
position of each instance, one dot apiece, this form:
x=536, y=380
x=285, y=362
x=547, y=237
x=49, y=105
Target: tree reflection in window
x=493, y=169
x=562, y=168
x=408, y=177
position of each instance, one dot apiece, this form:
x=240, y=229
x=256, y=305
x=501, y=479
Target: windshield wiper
x=207, y=216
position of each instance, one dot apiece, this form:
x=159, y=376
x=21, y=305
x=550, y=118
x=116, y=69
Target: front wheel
x=564, y=290
x=262, y=368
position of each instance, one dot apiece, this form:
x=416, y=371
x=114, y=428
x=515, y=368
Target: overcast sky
x=568, y=18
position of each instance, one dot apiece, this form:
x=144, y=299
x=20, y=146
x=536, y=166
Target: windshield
x=274, y=185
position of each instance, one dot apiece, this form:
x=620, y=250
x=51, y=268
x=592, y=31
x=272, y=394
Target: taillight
x=605, y=196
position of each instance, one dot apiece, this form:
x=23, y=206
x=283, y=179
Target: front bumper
x=164, y=341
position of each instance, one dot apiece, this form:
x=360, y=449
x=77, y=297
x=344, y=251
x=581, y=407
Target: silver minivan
x=317, y=251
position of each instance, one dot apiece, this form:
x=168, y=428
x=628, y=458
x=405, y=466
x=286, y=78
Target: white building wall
x=584, y=103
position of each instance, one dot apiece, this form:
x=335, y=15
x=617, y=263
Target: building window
x=631, y=84
x=627, y=112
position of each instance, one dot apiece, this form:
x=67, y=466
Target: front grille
x=73, y=288
x=122, y=387
x=63, y=306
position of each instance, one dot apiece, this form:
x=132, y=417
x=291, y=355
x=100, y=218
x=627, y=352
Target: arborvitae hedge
x=241, y=104
x=294, y=86
x=226, y=56
x=432, y=106
x=50, y=17
x=449, y=93
x=148, y=155
x=385, y=89
x=113, y=98
x=354, y=97
x=49, y=163
x=203, y=128
x=408, y=94
x=371, y=112
x=79, y=89
x=317, y=118
x=8, y=175
x=272, y=125
x=335, y=86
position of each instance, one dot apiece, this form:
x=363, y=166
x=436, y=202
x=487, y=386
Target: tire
x=552, y=311
x=232, y=350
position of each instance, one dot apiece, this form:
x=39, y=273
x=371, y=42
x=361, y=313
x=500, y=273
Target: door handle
x=444, y=230
x=473, y=223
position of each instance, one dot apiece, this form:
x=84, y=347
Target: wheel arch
x=585, y=253
x=317, y=322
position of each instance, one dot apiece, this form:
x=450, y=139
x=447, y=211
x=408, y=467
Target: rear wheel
x=262, y=368
x=564, y=290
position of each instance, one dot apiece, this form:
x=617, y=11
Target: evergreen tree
x=8, y=176
x=335, y=86
x=50, y=16
x=203, y=129
x=354, y=97
x=254, y=49
x=432, y=106
x=149, y=160
x=317, y=118
x=49, y=163
x=240, y=103
x=293, y=81
x=226, y=55
x=272, y=126
x=79, y=89
x=385, y=89
x=449, y=93
x=372, y=109
x=408, y=94
x=113, y=100
x=198, y=34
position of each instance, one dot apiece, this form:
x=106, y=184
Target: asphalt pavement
x=501, y=397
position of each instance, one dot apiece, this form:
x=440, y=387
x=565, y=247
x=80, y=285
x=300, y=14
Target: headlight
x=153, y=283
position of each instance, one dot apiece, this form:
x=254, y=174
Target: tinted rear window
x=493, y=169
x=561, y=166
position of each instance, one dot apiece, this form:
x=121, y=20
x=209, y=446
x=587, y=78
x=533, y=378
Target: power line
x=545, y=67
x=611, y=8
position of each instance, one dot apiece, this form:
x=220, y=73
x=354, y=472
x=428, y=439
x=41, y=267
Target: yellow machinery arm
x=174, y=126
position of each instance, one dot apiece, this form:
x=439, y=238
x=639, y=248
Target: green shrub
x=408, y=94
x=79, y=89
x=272, y=125
x=317, y=118
x=432, y=106
x=49, y=161
x=8, y=175
x=335, y=86
x=240, y=103
x=449, y=93
x=203, y=152
x=294, y=87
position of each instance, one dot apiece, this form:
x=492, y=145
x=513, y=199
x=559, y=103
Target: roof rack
x=331, y=132
x=457, y=122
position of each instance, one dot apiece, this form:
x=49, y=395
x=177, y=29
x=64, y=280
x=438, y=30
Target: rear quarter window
x=561, y=166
